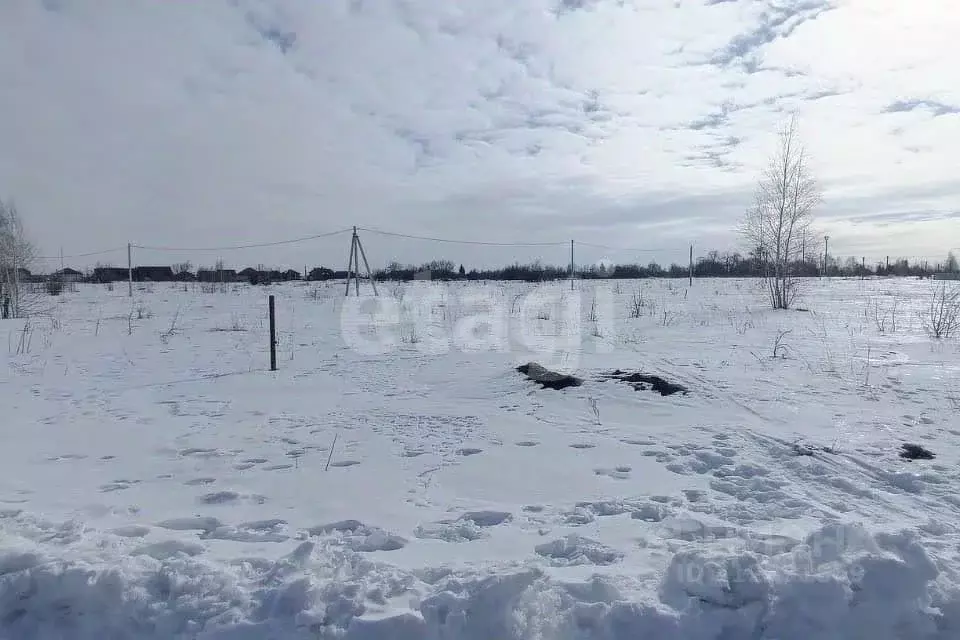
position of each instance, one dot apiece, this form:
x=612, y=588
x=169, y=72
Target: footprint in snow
x=230, y=497
x=118, y=485
x=469, y=451
x=277, y=467
x=617, y=473
x=344, y=463
x=575, y=550
x=360, y=537
x=197, y=482
x=199, y=452
x=131, y=531
x=191, y=523
x=273, y=530
x=582, y=445
x=527, y=443
x=67, y=456
x=487, y=518
x=641, y=443
x=169, y=549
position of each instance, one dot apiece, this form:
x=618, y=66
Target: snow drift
x=63, y=581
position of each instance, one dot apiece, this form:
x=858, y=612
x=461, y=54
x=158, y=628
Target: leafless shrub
x=637, y=304
x=237, y=324
x=883, y=315
x=24, y=339
x=779, y=347
x=592, y=314
x=667, y=317
x=166, y=335
x=941, y=318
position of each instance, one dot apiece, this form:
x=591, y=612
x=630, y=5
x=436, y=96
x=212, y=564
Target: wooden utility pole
x=273, y=335
x=691, y=265
x=353, y=265
x=826, y=253
x=129, y=270
x=571, y=265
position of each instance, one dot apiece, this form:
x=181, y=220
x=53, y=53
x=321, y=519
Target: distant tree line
x=713, y=265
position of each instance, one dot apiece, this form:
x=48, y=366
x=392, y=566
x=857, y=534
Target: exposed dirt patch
x=548, y=379
x=916, y=452
x=644, y=382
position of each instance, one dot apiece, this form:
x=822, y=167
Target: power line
x=82, y=255
x=628, y=249
x=451, y=241
x=244, y=246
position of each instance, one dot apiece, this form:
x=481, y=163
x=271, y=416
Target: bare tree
x=778, y=222
x=16, y=253
x=941, y=318
x=952, y=265
x=182, y=267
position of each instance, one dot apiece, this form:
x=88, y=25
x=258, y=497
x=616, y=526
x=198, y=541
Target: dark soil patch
x=548, y=379
x=916, y=452
x=643, y=382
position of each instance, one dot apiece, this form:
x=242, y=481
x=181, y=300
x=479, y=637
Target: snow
x=397, y=478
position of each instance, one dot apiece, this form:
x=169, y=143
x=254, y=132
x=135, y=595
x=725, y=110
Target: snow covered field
x=398, y=479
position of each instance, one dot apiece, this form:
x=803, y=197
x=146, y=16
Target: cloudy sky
x=634, y=124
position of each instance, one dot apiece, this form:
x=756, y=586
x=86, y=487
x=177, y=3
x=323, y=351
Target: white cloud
x=636, y=124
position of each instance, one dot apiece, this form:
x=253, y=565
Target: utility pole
x=129, y=270
x=353, y=265
x=863, y=267
x=691, y=265
x=826, y=253
x=61, y=262
x=571, y=265
x=273, y=334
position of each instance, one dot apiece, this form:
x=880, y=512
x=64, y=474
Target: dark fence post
x=273, y=337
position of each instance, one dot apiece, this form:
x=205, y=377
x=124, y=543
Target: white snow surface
x=158, y=481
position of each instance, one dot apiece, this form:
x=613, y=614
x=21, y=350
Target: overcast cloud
x=637, y=124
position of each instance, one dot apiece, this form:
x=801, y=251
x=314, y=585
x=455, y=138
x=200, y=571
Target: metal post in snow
x=691, y=265
x=571, y=265
x=273, y=336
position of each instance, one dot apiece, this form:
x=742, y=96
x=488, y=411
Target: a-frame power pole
x=353, y=265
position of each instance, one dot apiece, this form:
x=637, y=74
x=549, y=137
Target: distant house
x=109, y=274
x=217, y=275
x=184, y=276
x=24, y=275
x=68, y=275
x=264, y=276
x=321, y=273
x=153, y=274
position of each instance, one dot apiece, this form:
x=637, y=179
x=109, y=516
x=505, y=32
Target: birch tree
x=778, y=222
x=16, y=252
